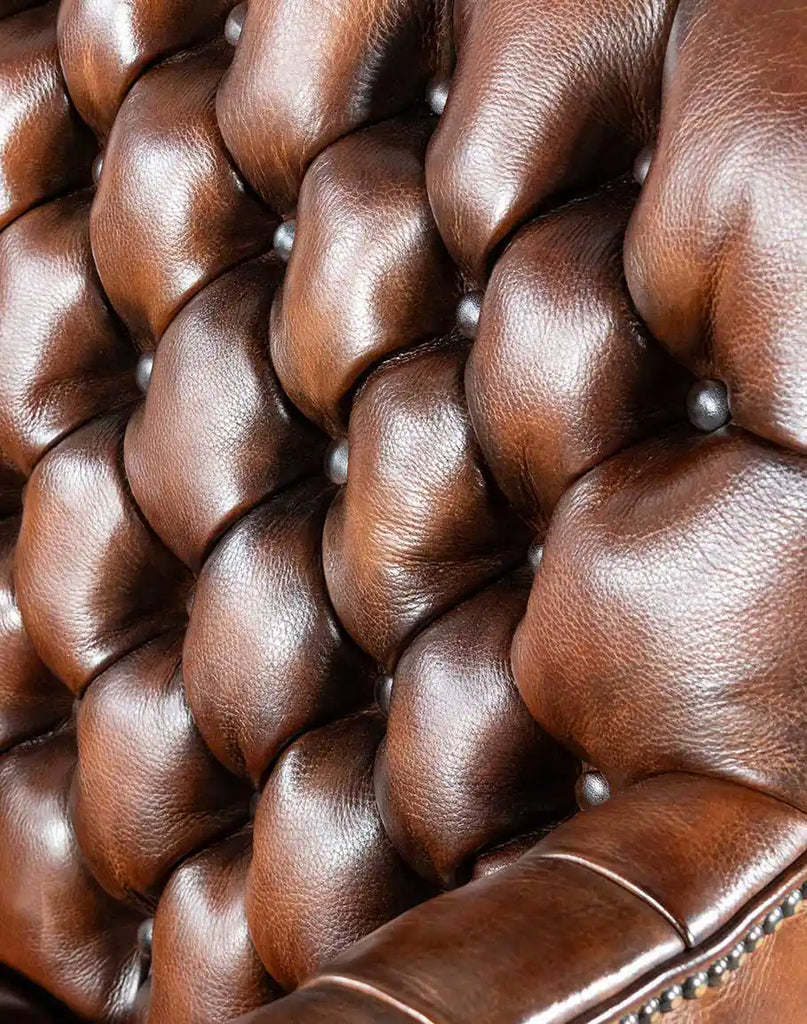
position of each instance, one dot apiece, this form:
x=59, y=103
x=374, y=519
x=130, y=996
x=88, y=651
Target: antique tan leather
x=403, y=512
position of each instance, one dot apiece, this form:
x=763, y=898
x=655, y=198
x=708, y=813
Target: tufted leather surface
x=392, y=626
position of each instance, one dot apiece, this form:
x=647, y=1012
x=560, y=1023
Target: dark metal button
x=792, y=903
x=719, y=973
x=695, y=986
x=284, y=239
x=773, y=922
x=641, y=165
x=97, y=167
x=145, y=365
x=383, y=692
x=145, y=937
x=254, y=800
x=234, y=24
x=591, y=789
x=336, y=461
x=650, y=1011
x=469, y=309
x=736, y=955
x=671, y=998
x=754, y=938
x=437, y=96
x=535, y=555
x=708, y=405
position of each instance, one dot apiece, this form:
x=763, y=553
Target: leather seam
x=343, y=981
x=679, y=926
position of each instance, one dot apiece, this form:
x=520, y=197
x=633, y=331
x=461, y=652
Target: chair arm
x=647, y=897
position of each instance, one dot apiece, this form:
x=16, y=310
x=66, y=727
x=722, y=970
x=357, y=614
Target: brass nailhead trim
x=719, y=972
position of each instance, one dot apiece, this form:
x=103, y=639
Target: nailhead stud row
x=721, y=970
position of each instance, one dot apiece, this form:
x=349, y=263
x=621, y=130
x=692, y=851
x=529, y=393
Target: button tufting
x=592, y=789
x=145, y=365
x=383, y=692
x=234, y=24
x=708, y=405
x=336, y=461
x=641, y=165
x=469, y=309
x=283, y=239
x=437, y=96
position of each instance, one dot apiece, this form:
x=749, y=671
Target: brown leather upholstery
x=403, y=511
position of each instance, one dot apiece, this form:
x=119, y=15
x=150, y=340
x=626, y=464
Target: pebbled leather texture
x=403, y=511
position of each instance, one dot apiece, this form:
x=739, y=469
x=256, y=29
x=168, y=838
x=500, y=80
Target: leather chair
x=403, y=471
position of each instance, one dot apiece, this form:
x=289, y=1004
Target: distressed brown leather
x=390, y=628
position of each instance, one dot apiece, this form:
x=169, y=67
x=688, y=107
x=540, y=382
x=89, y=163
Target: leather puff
x=105, y=45
x=716, y=257
x=265, y=658
x=93, y=580
x=204, y=965
x=171, y=213
x=463, y=765
x=31, y=699
x=547, y=95
x=134, y=723
x=65, y=358
x=306, y=73
x=45, y=148
x=318, y=839
x=562, y=374
x=368, y=273
x=419, y=524
x=216, y=434
x=61, y=929
x=659, y=589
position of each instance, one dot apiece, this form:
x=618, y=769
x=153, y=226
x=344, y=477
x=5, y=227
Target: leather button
x=469, y=309
x=708, y=405
x=336, y=461
x=145, y=935
x=97, y=167
x=437, y=96
x=641, y=165
x=591, y=789
x=283, y=239
x=535, y=555
x=383, y=692
x=234, y=24
x=145, y=364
